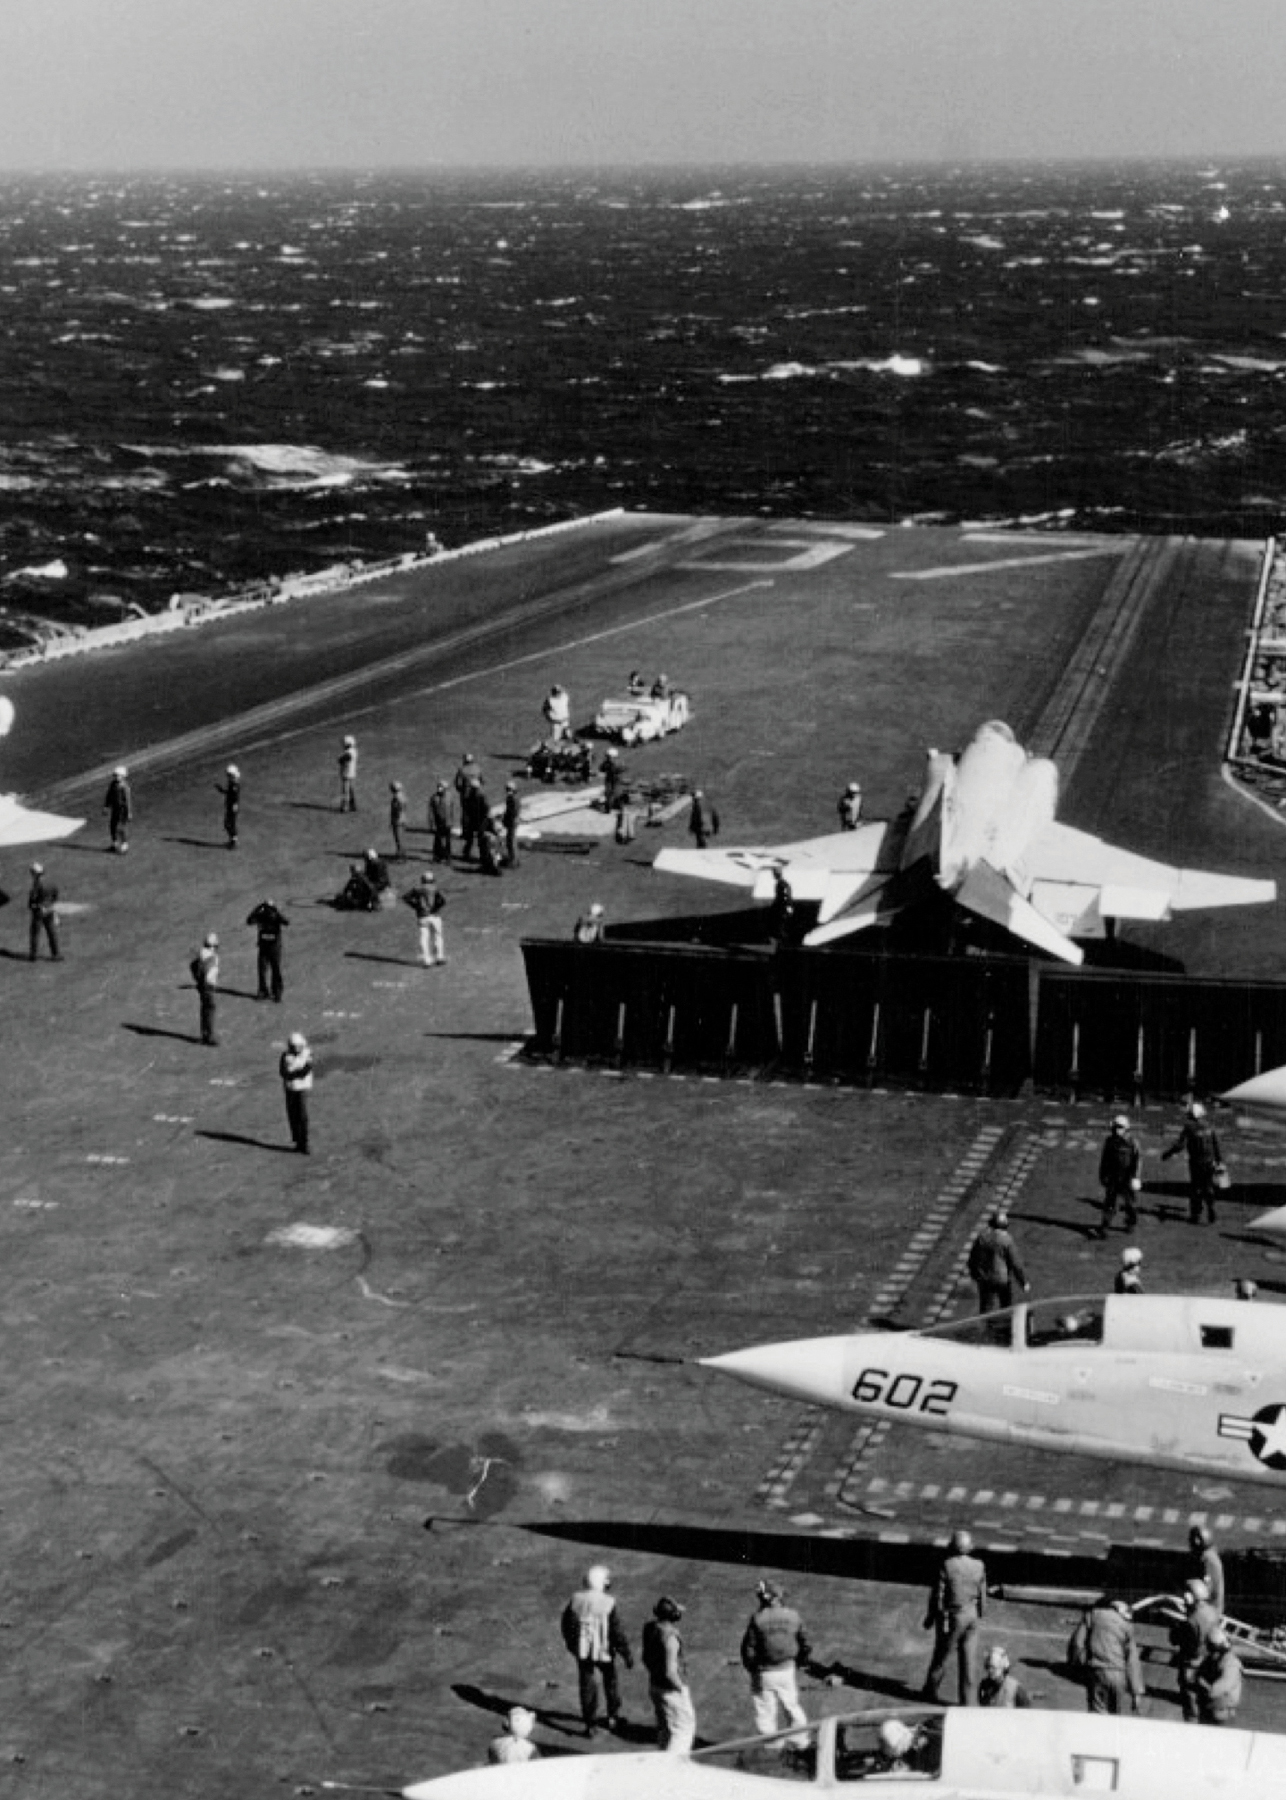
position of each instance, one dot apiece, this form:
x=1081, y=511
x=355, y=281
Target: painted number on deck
x=905, y=1393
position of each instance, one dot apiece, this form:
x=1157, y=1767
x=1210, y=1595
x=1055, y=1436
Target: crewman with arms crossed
x=296, y=1070
x=667, y=1675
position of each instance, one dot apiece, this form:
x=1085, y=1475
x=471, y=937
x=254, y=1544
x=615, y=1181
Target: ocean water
x=207, y=380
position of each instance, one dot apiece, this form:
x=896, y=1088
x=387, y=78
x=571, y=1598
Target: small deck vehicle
x=638, y=718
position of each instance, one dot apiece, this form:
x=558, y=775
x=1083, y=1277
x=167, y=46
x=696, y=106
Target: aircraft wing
x=1131, y=886
x=20, y=825
x=830, y=871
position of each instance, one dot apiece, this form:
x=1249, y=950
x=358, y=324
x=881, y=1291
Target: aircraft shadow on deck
x=1256, y=1579
x=198, y=843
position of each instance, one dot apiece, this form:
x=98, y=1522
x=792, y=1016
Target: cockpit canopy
x=1032, y=1326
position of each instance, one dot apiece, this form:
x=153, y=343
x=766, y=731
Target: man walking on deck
x=42, y=905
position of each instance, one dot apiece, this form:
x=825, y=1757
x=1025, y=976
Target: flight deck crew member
x=490, y=849
x=1190, y=1636
x=230, y=788
x=1129, y=1278
x=118, y=804
x=1205, y=1564
x=296, y=1070
x=427, y=901
x=397, y=816
x=269, y=924
x=955, y=1612
x=703, y=820
x=1218, y=1681
x=348, y=775
x=998, y=1686
x=440, y=822
x=514, y=1743
x=613, y=779
x=474, y=812
x=593, y=1633
x=205, y=973
x=849, y=807
x=511, y=818
x=772, y=1647
x=42, y=908
x=1103, y=1645
x=667, y=1676
x=1197, y=1138
x=995, y=1265
x=782, y=910
x=1118, y=1174
x=557, y=709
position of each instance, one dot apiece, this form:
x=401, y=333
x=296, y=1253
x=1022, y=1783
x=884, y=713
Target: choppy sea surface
x=207, y=380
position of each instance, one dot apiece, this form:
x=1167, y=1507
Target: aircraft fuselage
x=1163, y=1380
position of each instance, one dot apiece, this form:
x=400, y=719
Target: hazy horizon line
x=653, y=166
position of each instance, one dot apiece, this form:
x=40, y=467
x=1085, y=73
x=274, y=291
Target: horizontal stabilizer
x=1196, y=888
x=874, y=908
x=20, y=825
x=1133, y=886
x=988, y=893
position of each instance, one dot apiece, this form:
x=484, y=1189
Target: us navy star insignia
x=1265, y=1433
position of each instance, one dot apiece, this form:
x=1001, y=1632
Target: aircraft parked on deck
x=1023, y=1755
x=983, y=829
x=1168, y=1380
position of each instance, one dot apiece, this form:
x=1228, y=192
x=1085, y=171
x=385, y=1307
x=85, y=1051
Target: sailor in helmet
x=1198, y=1141
x=514, y=1743
x=1129, y=1277
x=1118, y=1174
x=593, y=1633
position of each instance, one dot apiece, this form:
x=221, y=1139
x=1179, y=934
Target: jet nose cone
x=1266, y=1092
x=1271, y=1224
x=812, y=1369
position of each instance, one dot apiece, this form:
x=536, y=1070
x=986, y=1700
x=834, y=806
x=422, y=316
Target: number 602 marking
x=905, y=1393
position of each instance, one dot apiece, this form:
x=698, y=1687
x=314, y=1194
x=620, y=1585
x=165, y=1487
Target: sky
x=210, y=84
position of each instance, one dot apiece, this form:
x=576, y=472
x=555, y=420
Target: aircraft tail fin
x=986, y=891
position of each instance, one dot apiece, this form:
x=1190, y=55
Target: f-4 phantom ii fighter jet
x=968, y=1751
x=983, y=829
x=18, y=823
x=1168, y=1380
